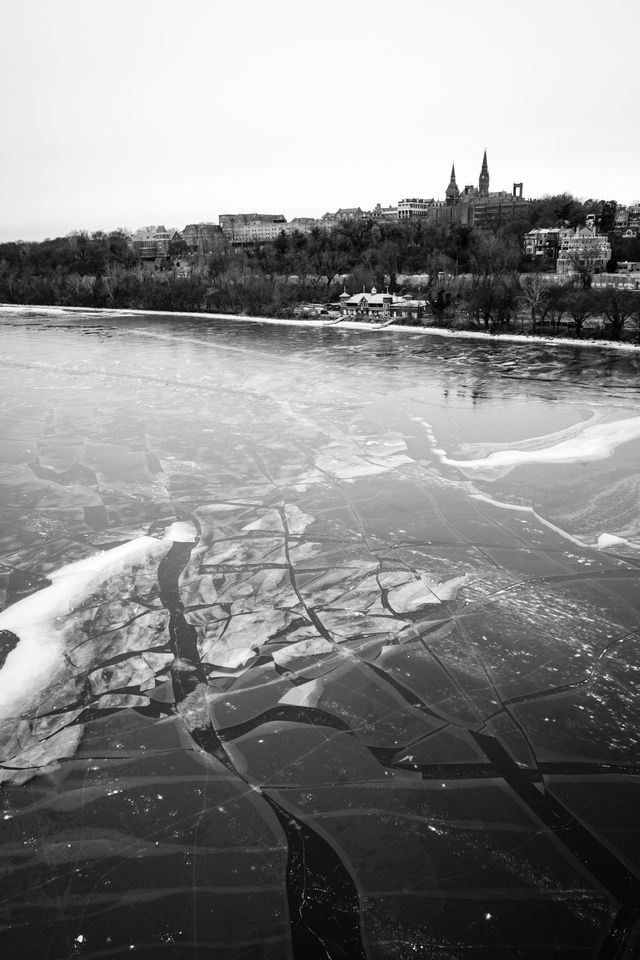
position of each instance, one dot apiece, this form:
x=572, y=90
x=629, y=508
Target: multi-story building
x=543, y=244
x=251, y=227
x=412, y=208
x=384, y=213
x=349, y=213
x=621, y=221
x=472, y=206
x=150, y=243
x=585, y=247
x=344, y=213
x=499, y=208
x=300, y=225
x=201, y=238
x=633, y=222
x=357, y=213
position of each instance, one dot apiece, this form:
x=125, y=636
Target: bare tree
x=581, y=306
x=533, y=294
x=556, y=304
x=618, y=306
x=584, y=261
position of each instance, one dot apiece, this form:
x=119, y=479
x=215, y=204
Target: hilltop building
x=201, y=238
x=469, y=207
x=384, y=213
x=251, y=227
x=151, y=243
x=301, y=225
x=452, y=193
x=411, y=208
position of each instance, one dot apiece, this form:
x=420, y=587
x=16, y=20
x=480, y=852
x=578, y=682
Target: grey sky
x=144, y=111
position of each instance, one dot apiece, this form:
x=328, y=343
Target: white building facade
x=251, y=227
x=585, y=247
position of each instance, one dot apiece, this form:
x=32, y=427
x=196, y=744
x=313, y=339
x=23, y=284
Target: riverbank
x=501, y=337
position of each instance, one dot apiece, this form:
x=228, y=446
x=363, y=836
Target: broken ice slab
x=36, y=755
x=281, y=752
x=466, y=855
x=175, y=830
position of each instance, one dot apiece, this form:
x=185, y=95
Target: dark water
x=316, y=644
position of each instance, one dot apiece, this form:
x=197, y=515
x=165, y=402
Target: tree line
x=466, y=276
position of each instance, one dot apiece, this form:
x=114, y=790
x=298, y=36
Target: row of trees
x=492, y=297
x=466, y=276
x=527, y=304
x=381, y=247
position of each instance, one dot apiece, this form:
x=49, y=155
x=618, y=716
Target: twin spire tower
x=452, y=192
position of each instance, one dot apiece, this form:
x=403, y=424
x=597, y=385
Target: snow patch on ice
x=592, y=442
x=38, y=620
x=611, y=540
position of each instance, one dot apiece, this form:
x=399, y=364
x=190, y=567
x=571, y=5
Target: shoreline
x=116, y=312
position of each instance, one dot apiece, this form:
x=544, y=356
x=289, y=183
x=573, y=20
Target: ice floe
x=592, y=442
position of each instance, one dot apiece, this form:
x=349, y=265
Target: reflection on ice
x=287, y=684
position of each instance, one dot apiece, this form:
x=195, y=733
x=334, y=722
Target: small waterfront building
x=380, y=306
x=363, y=304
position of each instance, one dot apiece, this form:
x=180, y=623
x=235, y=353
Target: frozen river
x=316, y=644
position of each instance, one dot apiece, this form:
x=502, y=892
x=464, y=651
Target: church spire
x=452, y=193
x=483, y=184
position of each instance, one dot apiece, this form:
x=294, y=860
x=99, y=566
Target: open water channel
x=316, y=644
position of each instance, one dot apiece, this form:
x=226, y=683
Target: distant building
x=470, y=207
x=363, y=304
x=301, y=225
x=329, y=219
x=380, y=306
x=627, y=280
x=543, y=244
x=412, y=208
x=151, y=243
x=621, y=221
x=584, y=247
x=633, y=212
x=384, y=213
x=349, y=213
x=251, y=227
x=499, y=208
x=201, y=238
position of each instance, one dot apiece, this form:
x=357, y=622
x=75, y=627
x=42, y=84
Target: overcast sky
x=137, y=112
